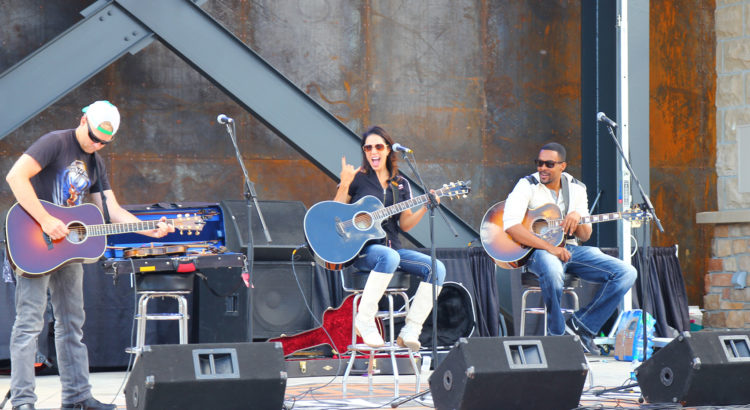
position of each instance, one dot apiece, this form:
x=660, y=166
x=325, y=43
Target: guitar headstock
x=636, y=216
x=458, y=189
x=187, y=224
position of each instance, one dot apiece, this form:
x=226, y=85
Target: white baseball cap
x=103, y=111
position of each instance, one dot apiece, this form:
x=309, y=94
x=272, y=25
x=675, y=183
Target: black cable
x=317, y=322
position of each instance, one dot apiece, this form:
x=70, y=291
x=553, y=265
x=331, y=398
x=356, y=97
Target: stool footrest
x=384, y=314
x=163, y=316
x=361, y=347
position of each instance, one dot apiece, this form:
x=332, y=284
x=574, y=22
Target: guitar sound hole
x=77, y=232
x=540, y=227
x=363, y=221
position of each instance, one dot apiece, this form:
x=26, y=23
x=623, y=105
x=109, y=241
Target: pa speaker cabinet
x=538, y=372
x=208, y=376
x=277, y=306
x=284, y=220
x=221, y=313
x=699, y=369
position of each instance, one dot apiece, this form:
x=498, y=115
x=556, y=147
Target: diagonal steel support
x=66, y=62
x=127, y=25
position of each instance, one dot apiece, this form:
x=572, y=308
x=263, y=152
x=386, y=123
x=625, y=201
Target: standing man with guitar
x=61, y=167
x=550, y=184
x=378, y=176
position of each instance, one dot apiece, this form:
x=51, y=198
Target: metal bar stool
x=354, y=282
x=530, y=283
x=167, y=285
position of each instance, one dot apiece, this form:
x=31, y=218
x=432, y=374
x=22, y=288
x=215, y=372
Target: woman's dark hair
x=391, y=162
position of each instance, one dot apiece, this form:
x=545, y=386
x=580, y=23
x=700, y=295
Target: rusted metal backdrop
x=683, y=130
x=475, y=87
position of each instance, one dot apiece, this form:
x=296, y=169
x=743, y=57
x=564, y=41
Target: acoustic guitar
x=545, y=222
x=36, y=254
x=337, y=232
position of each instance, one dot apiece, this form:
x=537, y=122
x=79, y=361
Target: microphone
x=223, y=119
x=399, y=147
x=601, y=117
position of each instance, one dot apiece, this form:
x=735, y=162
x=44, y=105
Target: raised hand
x=347, y=172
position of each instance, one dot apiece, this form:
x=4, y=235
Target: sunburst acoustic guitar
x=36, y=254
x=544, y=222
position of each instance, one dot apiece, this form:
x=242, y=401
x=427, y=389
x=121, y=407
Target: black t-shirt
x=68, y=172
x=367, y=183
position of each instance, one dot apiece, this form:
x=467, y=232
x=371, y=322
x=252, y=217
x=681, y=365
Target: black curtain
x=474, y=270
x=485, y=281
x=667, y=295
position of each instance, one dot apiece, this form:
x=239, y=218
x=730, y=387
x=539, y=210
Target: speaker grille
x=278, y=307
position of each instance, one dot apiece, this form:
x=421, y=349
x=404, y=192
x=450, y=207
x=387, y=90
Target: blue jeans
x=383, y=259
x=66, y=293
x=590, y=264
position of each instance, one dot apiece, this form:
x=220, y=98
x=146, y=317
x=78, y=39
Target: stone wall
x=727, y=306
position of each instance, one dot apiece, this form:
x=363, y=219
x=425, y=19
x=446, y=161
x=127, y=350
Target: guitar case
x=456, y=316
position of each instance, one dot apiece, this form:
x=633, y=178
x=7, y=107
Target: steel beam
x=66, y=62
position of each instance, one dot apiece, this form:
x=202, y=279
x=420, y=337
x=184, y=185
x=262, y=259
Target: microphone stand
x=433, y=204
x=251, y=197
x=646, y=260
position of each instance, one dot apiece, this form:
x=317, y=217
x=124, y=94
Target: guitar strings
x=81, y=229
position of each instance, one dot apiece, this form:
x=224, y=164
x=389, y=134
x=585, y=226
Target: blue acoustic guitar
x=337, y=232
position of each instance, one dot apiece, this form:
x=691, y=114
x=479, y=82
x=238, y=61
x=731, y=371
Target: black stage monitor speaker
x=208, y=376
x=284, y=220
x=699, y=369
x=538, y=372
x=278, y=307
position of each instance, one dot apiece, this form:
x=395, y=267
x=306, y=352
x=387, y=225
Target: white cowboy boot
x=364, y=323
x=421, y=306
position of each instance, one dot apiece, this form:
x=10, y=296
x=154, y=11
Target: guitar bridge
x=340, y=228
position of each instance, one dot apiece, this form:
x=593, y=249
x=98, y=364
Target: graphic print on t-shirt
x=71, y=184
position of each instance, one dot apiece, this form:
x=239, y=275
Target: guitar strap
x=101, y=190
x=394, y=190
x=565, y=194
x=565, y=188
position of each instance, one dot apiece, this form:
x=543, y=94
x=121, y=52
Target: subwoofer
x=208, y=376
x=277, y=306
x=699, y=369
x=538, y=372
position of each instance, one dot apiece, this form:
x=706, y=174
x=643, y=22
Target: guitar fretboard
x=404, y=205
x=612, y=216
x=124, y=227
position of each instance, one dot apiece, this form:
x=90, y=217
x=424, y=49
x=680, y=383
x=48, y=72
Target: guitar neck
x=124, y=227
x=592, y=219
x=403, y=206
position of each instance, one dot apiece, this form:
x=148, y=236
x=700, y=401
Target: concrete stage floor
x=325, y=392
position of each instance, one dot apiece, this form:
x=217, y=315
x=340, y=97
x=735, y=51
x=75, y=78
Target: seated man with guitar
x=59, y=169
x=378, y=177
x=550, y=261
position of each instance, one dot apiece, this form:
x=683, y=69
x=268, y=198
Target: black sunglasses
x=549, y=164
x=94, y=138
x=368, y=147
